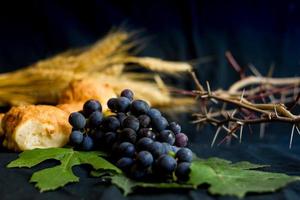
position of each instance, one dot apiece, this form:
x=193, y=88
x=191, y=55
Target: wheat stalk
x=156, y=64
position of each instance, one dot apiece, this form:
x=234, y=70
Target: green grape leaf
x=222, y=176
x=225, y=178
x=58, y=176
x=128, y=185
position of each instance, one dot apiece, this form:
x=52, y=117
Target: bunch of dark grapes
x=139, y=139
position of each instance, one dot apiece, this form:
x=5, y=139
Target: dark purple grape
x=114, y=149
x=176, y=128
x=122, y=104
x=137, y=172
x=182, y=171
x=98, y=135
x=144, y=120
x=125, y=163
x=121, y=117
x=126, y=149
x=159, y=123
x=76, y=137
x=156, y=149
x=91, y=106
x=77, y=120
x=112, y=104
x=146, y=132
x=144, y=159
x=128, y=135
x=175, y=149
x=184, y=155
x=110, y=123
x=166, y=136
x=95, y=119
x=127, y=93
x=181, y=140
x=87, y=143
x=109, y=138
x=166, y=164
x=143, y=144
x=167, y=147
x=131, y=122
x=154, y=113
x=139, y=107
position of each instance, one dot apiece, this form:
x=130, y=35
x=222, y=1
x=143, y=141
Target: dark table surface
x=263, y=33
x=272, y=150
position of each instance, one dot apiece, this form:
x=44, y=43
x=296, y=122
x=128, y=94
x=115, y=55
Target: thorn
x=271, y=70
x=233, y=113
x=223, y=107
x=209, y=111
x=214, y=123
x=240, y=123
x=297, y=129
x=234, y=64
x=241, y=133
x=208, y=88
x=242, y=96
x=262, y=130
x=205, y=110
x=214, y=101
x=226, y=129
x=198, y=120
x=234, y=135
x=292, y=135
x=254, y=70
x=228, y=114
x=215, y=137
x=198, y=84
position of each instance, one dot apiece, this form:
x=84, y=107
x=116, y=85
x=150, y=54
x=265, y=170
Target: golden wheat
x=44, y=81
x=156, y=64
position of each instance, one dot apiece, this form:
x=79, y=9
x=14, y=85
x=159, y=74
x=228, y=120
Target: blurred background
x=262, y=33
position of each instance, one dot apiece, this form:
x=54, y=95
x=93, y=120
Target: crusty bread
x=71, y=107
x=85, y=89
x=35, y=126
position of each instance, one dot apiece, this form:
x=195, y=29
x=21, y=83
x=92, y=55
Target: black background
x=263, y=33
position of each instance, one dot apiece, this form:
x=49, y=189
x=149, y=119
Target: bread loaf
x=35, y=126
x=85, y=89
